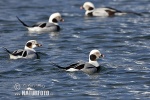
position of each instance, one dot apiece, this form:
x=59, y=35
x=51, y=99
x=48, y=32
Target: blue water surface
x=124, y=40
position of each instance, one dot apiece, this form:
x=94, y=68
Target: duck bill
x=81, y=7
x=38, y=45
x=102, y=55
x=62, y=20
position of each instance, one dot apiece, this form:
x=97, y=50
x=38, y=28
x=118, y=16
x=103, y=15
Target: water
x=124, y=40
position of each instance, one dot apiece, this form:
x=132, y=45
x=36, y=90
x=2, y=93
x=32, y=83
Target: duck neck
x=95, y=63
x=27, y=48
x=89, y=13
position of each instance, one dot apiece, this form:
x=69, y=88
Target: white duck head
x=31, y=44
x=55, y=18
x=93, y=56
x=88, y=6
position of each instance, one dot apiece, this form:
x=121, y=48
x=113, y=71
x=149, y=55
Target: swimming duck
x=102, y=12
x=88, y=67
x=50, y=26
x=27, y=53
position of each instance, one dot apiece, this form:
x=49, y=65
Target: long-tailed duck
x=102, y=12
x=27, y=53
x=88, y=67
x=50, y=26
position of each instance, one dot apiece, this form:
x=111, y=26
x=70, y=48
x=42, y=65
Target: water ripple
x=124, y=40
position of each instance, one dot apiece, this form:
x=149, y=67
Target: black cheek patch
x=29, y=44
x=55, y=20
x=90, y=8
x=92, y=57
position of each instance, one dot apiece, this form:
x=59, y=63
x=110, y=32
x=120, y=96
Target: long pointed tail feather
x=22, y=22
x=135, y=13
x=7, y=50
x=58, y=66
x=130, y=12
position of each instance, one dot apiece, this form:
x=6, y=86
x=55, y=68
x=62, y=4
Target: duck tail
x=7, y=50
x=130, y=12
x=58, y=66
x=22, y=22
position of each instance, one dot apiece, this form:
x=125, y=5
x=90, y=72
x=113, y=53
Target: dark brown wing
x=18, y=52
x=75, y=66
x=110, y=12
x=72, y=66
x=80, y=66
x=42, y=25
